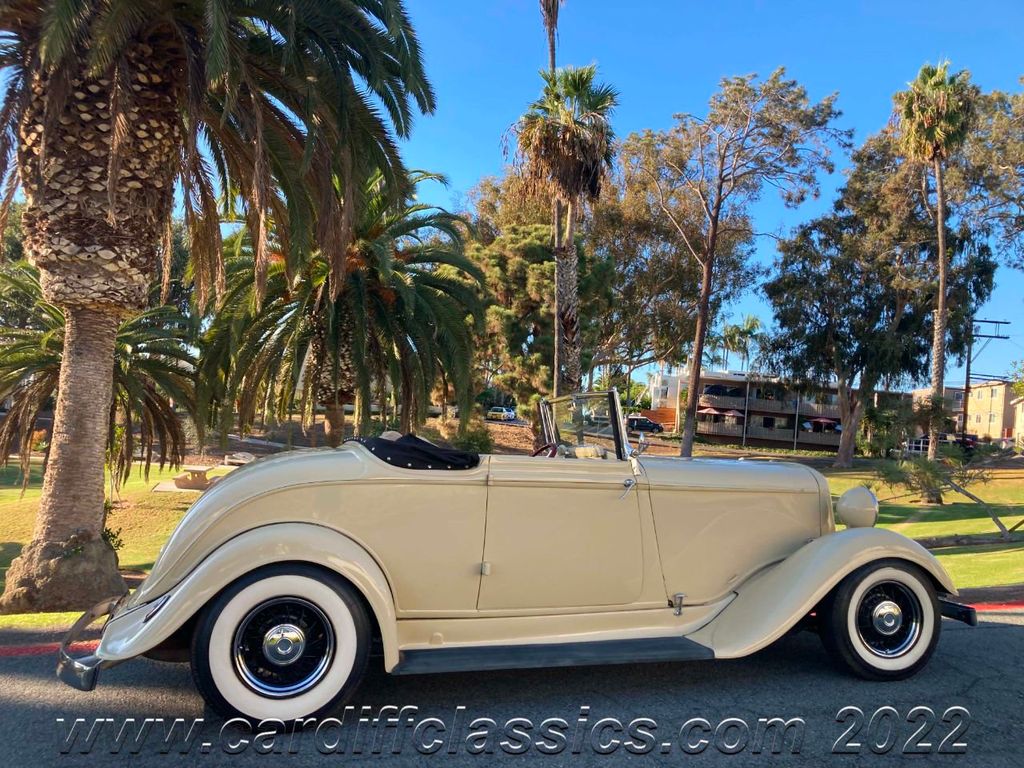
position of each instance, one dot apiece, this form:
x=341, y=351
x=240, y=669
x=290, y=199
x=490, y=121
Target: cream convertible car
x=282, y=576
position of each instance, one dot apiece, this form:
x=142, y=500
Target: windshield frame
x=550, y=431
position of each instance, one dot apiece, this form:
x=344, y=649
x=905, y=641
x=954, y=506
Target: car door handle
x=628, y=484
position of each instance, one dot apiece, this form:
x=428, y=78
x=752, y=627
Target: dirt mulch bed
x=1008, y=593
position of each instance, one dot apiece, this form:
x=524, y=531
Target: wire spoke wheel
x=889, y=619
x=283, y=647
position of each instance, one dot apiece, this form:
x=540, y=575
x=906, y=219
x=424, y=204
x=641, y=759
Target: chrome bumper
x=82, y=673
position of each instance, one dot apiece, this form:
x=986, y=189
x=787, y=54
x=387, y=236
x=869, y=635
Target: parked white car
x=499, y=413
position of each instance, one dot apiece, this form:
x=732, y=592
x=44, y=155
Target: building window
x=768, y=422
x=958, y=396
x=977, y=419
x=991, y=418
x=992, y=393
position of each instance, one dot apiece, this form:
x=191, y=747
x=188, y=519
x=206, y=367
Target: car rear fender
x=142, y=628
x=773, y=600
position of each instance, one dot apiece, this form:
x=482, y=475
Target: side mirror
x=641, y=444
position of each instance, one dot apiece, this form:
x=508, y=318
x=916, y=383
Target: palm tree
x=549, y=13
x=400, y=319
x=566, y=141
x=152, y=374
x=934, y=117
x=113, y=104
x=549, y=10
x=749, y=331
x=732, y=340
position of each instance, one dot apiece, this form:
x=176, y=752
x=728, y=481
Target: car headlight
x=858, y=508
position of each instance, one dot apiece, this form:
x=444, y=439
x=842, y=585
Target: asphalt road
x=981, y=670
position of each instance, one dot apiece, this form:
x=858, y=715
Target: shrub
x=113, y=538
x=476, y=438
x=40, y=440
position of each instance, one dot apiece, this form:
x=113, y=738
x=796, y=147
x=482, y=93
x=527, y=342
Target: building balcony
x=722, y=401
x=828, y=410
x=768, y=433
x=819, y=438
x=720, y=428
x=772, y=406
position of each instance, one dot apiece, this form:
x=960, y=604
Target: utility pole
x=996, y=327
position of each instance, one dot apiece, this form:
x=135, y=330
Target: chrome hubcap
x=284, y=644
x=283, y=647
x=887, y=617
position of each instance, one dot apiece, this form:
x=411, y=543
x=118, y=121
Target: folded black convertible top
x=410, y=452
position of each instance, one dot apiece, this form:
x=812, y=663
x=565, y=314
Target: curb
x=42, y=649
x=998, y=607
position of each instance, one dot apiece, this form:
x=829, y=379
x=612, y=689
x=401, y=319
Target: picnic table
x=194, y=477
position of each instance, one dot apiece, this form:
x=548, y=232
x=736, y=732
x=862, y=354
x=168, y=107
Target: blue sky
x=667, y=56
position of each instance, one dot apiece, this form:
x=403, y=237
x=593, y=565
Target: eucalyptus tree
x=566, y=142
x=152, y=372
x=111, y=105
x=405, y=318
x=994, y=154
x=853, y=292
x=706, y=172
x=933, y=120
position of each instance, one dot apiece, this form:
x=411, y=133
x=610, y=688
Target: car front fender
x=143, y=627
x=773, y=600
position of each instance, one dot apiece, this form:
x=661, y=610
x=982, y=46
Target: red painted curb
x=993, y=607
x=42, y=649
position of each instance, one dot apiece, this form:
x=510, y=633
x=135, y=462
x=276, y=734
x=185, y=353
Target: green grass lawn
x=984, y=566
x=146, y=519
x=959, y=515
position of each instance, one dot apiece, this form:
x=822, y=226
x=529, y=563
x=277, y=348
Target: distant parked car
x=643, y=424
x=499, y=413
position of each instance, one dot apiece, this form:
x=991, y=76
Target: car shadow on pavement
x=981, y=670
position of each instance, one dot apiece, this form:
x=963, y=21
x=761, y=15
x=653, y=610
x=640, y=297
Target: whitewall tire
x=283, y=642
x=882, y=621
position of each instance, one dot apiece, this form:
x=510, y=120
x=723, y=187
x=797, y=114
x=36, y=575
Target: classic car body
x=590, y=553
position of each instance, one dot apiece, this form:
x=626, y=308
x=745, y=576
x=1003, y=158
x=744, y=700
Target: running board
x=479, y=658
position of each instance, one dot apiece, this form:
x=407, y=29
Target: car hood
x=731, y=474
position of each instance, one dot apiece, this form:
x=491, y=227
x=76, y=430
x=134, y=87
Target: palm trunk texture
x=97, y=246
x=939, y=330
x=568, y=303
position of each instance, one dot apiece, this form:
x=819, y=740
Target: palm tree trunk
x=334, y=423
x=700, y=334
x=552, y=30
x=939, y=325
x=68, y=565
x=97, y=244
x=558, y=236
x=568, y=302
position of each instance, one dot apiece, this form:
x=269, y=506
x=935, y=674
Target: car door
x=561, y=533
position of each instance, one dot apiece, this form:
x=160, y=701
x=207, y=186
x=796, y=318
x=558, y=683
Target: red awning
x=710, y=411
x=824, y=420
x=733, y=412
